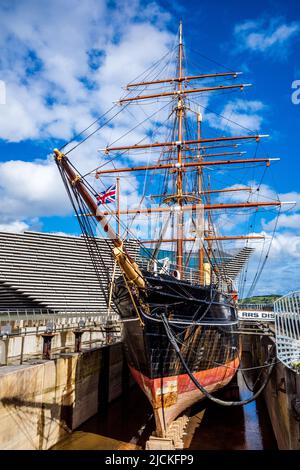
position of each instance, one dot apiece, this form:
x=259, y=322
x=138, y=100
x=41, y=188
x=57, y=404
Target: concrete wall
x=40, y=403
x=282, y=395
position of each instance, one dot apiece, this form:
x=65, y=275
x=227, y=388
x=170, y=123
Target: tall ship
x=173, y=281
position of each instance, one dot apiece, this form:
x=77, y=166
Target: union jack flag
x=107, y=196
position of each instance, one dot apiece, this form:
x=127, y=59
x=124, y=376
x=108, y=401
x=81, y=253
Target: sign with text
x=256, y=315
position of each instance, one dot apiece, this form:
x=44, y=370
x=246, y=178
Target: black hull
x=203, y=320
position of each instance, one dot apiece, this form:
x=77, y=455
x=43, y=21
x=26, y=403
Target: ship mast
x=200, y=196
x=210, y=228
x=178, y=149
x=180, y=112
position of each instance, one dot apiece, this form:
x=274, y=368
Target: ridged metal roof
x=233, y=267
x=40, y=270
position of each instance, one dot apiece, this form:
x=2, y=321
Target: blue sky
x=61, y=70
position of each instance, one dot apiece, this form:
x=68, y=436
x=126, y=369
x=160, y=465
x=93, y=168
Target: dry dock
x=129, y=419
x=281, y=396
x=87, y=399
x=43, y=401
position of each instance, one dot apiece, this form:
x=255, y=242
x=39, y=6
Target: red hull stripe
x=182, y=383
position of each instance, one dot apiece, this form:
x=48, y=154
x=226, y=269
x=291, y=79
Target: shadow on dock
x=128, y=422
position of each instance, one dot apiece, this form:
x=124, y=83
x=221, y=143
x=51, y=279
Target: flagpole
x=118, y=207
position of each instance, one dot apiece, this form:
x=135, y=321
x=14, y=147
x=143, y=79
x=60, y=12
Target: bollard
x=78, y=335
x=47, y=338
x=4, y=336
x=22, y=348
x=109, y=332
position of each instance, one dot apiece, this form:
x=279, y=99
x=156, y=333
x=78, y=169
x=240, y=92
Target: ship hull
x=170, y=396
x=202, y=320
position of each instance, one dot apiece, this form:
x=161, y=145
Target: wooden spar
x=202, y=155
x=187, y=149
x=192, y=193
x=73, y=178
x=126, y=263
x=185, y=79
x=180, y=111
x=181, y=165
x=192, y=239
x=227, y=190
x=206, y=155
x=241, y=205
x=185, y=142
x=184, y=91
x=219, y=146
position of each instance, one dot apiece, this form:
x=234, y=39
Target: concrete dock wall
x=41, y=402
x=282, y=394
x=25, y=338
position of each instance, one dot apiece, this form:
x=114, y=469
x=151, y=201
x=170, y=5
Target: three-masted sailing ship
x=186, y=298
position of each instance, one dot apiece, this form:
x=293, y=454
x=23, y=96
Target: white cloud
x=281, y=258
x=238, y=114
x=31, y=189
x=141, y=45
x=261, y=191
x=291, y=196
x=17, y=226
x=61, y=71
x=286, y=246
x=284, y=221
x=272, y=36
x=230, y=221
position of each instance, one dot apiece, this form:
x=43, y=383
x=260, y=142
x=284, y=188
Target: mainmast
x=200, y=196
x=180, y=112
x=184, y=153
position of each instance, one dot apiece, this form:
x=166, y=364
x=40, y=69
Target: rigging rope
x=203, y=389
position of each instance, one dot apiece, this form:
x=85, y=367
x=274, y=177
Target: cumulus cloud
x=289, y=218
x=287, y=221
x=282, y=249
x=266, y=35
x=61, y=72
x=238, y=114
x=283, y=262
x=26, y=189
x=259, y=191
x=17, y=226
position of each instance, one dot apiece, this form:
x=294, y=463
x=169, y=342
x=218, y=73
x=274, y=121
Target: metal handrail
x=260, y=307
x=287, y=330
x=47, y=311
